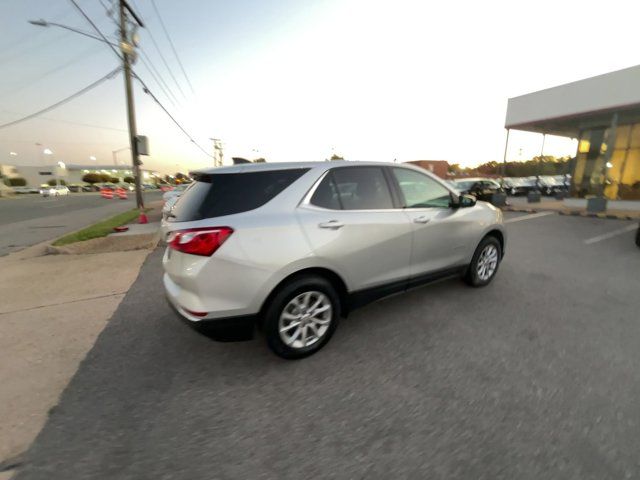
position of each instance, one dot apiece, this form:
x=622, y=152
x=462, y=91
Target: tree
x=91, y=178
x=260, y=160
x=17, y=182
x=129, y=180
x=114, y=180
x=104, y=177
x=454, y=169
x=336, y=157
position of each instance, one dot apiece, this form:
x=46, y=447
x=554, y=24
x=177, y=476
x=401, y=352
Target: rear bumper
x=220, y=329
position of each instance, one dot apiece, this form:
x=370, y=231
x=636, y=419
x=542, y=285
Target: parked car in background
x=481, y=188
x=177, y=191
x=296, y=246
x=515, y=186
x=564, y=180
x=168, y=207
x=75, y=188
x=55, y=191
x=90, y=188
x=548, y=185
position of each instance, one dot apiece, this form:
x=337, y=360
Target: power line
x=164, y=60
x=64, y=100
x=149, y=64
x=56, y=69
x=166, y=32
x=155, y=99
x=152, y=69
x=96, y=28
x=70, y=122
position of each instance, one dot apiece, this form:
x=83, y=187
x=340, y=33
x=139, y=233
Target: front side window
x=420, y=191
x=362, y=188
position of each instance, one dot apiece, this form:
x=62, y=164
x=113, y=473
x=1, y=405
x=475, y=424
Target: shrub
x=129, y=180
x=104, y=178
x=17, y=182
x=92, y=178
x=114, y=180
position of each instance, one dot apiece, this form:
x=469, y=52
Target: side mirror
x=454, y=200
x=467, y=201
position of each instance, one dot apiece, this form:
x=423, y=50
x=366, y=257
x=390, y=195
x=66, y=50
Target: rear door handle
x=331, y=224
x=421, y=219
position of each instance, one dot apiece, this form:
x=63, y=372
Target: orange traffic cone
x=143, y=217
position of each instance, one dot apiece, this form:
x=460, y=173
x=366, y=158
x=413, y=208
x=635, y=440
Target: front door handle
x=331, y=224
x=421, y=219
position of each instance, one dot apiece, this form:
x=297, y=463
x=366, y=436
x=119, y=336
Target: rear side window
x=215, y=195
x=326, y=195
x=362, y=188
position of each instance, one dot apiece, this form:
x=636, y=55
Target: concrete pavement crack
x=63, y=303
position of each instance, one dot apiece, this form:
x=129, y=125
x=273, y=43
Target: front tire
x=301, y=317
x=485, y=262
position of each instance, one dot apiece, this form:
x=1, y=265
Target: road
x=536, y=376
x=30, y=219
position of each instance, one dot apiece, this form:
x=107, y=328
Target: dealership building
x=603, y=114
x=36, y=176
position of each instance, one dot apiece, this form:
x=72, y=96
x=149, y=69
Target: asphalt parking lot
x=536, y=376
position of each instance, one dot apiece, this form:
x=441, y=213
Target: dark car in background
x=549, y=185
x=481, y=188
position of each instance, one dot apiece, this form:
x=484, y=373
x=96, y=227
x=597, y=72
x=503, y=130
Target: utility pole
x=217, y=152
x=127, y=50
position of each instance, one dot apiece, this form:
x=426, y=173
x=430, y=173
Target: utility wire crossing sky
x=300, y=80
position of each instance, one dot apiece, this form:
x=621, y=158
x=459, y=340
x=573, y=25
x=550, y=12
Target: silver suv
x=295, y=246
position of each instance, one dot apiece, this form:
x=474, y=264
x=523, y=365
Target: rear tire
x=485, y=262
x=638, y=236
x=301, y=317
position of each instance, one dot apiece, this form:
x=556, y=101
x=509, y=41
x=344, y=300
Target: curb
x=108, y=244
x=609, y=216
x=524, y=210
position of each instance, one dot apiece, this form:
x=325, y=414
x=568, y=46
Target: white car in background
x=55, y=191
x=171, y=200
x=176, y=192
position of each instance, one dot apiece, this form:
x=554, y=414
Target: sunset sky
x=299, y=80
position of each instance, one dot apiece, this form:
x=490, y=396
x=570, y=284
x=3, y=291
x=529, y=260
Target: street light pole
x=131, y=115
x=114, y=152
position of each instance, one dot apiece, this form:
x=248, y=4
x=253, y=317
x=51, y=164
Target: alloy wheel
x=487, y=262
x=305, y=319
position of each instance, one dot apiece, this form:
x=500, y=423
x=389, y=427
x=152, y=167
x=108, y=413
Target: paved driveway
x=29, y=219
x=535, y=377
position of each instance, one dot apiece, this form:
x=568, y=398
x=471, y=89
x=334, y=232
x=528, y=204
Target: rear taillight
x=199, y=241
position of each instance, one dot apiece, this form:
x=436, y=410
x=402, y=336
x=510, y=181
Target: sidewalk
x=53, y=308
x=520, y=204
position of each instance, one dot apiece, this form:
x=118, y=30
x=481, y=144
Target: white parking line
x=528, y=217
x=615, y=233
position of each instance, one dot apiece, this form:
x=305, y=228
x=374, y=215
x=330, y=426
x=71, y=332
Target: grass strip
x=100, y=229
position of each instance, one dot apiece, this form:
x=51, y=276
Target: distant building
x=437, y=167
x=39, y=175
x=603, y=114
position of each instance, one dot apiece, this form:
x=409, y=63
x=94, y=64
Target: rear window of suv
x=215, y=195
